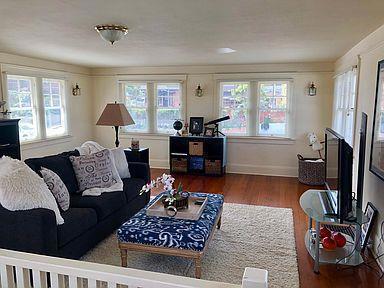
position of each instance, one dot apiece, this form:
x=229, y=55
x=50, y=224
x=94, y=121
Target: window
x=22, y=105
x=42, y=112
x=344, y=105
x=154, y=106
x=168, y=106
x=136, y=100
x=53, y=93
x=256, y=108
x=272, y=108
x=234, y=102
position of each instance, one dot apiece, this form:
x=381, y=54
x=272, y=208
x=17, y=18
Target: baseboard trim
x=242, y=169
x=262, y=170
x=159, y=163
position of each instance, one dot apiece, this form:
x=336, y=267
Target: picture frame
x=196, y=125
x=209, y=132
x=376, y=163
x=366, y=229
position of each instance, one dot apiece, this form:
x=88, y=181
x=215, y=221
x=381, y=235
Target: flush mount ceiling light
x=225, y=50
x=111, y=33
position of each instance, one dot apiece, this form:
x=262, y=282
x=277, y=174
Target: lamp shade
x=115, y=114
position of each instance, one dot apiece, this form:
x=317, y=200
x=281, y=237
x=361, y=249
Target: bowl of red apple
x=331, y=240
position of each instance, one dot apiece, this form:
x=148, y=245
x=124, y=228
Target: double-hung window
x=154, y=106
x=136, y=100
x=40, y=105
x=54, y=107
x=168, y=106
x=272, y=108
x=256, y=107
x=235, y=103
x=344, y=104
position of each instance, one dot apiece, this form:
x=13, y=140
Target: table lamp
x=115, y=114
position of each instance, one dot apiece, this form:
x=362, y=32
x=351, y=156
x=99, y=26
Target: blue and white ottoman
x=170, y=236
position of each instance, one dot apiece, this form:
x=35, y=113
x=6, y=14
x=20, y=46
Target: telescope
x=216, y=124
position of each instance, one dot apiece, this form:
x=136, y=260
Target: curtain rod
x=350, y=68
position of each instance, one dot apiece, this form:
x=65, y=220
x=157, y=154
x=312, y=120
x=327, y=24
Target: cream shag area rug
x=250, y=236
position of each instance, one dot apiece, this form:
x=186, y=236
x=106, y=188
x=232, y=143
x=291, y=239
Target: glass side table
x=350, y=253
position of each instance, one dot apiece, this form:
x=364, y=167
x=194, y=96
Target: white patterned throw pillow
x=96, y=173
x=23, y=189
x=57, y=187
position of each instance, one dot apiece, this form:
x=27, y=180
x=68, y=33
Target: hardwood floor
x=281, y=192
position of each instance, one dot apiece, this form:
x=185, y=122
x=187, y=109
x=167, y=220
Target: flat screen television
x=360, y=175
x=337, y=198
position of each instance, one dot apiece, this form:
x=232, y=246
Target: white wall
x=371, y=51
x=80, y=107
x=245, y=155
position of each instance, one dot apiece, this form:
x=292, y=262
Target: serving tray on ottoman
x=172, y=236
x=193, y=212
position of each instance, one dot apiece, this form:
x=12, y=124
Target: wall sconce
x=199, y=91
x=312, y=89
x=76, y=91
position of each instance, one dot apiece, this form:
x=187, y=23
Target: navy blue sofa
x=89, y=219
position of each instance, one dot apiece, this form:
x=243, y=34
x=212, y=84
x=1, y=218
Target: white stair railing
x=19, y=269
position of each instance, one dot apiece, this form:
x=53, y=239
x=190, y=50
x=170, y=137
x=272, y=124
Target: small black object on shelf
x=178, y=125
x=196, y=125
x=209, y=132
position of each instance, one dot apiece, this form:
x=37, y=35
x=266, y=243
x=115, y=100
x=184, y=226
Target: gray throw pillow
x=95, y=170
x=121, y=162
x=57, y=188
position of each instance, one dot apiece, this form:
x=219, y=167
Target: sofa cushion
x=61, y=165
x=104, y=205
x=76, y=222
x=132, y=187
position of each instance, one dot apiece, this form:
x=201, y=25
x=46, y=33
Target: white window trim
x=39, y=74
x=152, y=80
x=254, y=79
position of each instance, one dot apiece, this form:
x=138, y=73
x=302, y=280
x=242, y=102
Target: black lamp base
x=117, y=142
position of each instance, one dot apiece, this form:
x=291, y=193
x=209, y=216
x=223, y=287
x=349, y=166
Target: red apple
x=339, y=238
x=329, y=243
x=325, y=232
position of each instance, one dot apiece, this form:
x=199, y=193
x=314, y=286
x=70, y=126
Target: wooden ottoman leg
x=123, y=253
x=198, y=267
x=219, y=223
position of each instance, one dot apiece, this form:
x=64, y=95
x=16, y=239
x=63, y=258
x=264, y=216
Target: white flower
x=165, y=179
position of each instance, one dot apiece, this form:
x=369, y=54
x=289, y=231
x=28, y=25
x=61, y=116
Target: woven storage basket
x=196, y=148
x=213, y=167
x=311, y=173
x=179, y=165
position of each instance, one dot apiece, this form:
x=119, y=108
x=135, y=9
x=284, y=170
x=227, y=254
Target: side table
x=141, y=155
x=350, y=253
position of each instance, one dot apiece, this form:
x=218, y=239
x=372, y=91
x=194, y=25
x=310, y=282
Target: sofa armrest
x=140, y=170
x=32, y=230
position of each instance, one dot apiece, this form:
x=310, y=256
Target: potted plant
x=173, y=197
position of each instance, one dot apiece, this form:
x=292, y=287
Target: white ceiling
x=187, y=32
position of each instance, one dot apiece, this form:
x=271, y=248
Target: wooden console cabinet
x=198, y=155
